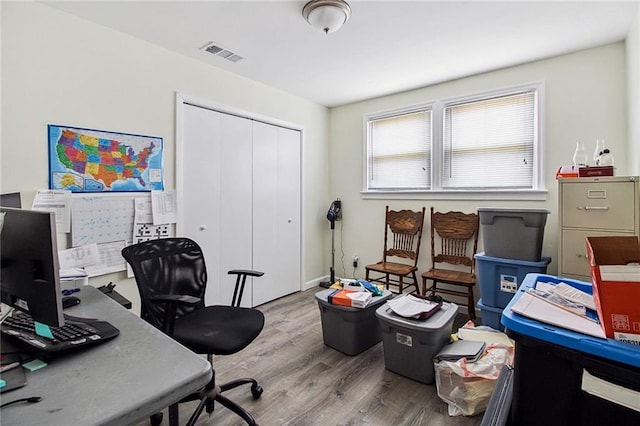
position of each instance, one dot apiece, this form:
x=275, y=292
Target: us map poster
x=86, y=160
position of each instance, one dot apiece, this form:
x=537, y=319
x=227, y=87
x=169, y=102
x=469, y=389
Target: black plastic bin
x=547, y=387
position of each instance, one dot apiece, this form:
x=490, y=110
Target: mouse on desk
x=69, y=301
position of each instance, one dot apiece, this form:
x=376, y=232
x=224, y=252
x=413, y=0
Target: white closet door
x=276, y=206
x=216, y=185
x=235, y=205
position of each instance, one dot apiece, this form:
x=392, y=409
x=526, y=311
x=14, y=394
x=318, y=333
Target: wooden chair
x=402, y=237
x=454, y=241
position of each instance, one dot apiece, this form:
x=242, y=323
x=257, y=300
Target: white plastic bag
x=467, y=386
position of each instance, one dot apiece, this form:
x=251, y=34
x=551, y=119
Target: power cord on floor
x=15, y=401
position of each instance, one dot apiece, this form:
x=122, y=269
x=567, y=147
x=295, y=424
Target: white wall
x=60, y=69
x=633, y=83
x=585, y=99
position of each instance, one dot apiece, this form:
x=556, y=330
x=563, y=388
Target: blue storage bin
x=490, y=316
x=611, y=349
x=500, y=278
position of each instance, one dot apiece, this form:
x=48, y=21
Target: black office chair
x=171, y=276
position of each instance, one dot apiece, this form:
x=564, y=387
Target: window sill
x=512, y=195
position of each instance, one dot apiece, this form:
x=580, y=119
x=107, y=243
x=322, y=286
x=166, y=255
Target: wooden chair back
x=403, y=234
x=454, y=238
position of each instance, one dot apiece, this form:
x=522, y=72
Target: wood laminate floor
x=308, y=383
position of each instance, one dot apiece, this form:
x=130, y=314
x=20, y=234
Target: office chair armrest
x=172, y=301
x=246, y=272
x=241, y=279
x=179, y=299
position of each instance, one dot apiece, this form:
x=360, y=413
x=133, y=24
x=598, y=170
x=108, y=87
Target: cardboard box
x=567, y=172
x=354, y=299
x=615, y=276
x=595, y=171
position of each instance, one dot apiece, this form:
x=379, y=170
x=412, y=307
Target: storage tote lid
x=508, y=210
x=435, y=322
x=530, y=217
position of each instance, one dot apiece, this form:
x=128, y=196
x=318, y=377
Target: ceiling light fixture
x=326, y=15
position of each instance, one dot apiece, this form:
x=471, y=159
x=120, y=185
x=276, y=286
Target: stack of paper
x=568, y=292
x=409, y=306
x=536, y=308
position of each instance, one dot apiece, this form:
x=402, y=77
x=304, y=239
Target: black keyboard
x=76, y=333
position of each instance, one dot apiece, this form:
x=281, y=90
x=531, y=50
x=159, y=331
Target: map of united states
x=104, y=160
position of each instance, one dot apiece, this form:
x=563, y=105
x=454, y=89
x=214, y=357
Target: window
x=482, y=143
x=399, y=149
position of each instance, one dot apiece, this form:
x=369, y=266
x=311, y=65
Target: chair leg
x=471, y=307
x=199, y=409
x=400, y=284
x=236, y=409
x=174, y=415
x=156, y=419
x=415, y=283
x=256, y=389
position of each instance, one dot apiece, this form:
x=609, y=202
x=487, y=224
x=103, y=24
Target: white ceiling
x=386, y=46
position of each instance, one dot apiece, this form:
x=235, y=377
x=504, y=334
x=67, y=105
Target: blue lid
x=625, y=353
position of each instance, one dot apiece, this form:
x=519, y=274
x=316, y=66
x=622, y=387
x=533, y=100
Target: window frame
x=538, y=190
x=393, y=114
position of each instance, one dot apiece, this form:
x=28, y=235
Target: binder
x=469, y=349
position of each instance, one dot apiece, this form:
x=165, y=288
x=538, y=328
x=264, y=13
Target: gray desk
x=119, y=382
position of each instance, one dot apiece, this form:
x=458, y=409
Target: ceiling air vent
x=222, y=52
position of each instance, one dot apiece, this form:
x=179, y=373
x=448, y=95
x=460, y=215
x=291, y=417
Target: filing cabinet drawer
x=599, y=205
x=574, y=260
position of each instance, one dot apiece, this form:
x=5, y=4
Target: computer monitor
x=11, y=200
x=29, y=267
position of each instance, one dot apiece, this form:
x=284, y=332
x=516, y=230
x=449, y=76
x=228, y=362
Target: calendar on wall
x=102, y=219
x=113, y=221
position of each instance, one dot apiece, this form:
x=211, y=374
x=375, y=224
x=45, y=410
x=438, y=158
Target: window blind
x=489, y=143
x=399, y=151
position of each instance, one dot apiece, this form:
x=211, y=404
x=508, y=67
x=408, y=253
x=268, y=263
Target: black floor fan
x=334, y=214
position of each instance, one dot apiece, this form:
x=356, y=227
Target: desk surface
x=138, y=373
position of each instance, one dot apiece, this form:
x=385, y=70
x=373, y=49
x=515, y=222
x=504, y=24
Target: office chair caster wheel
x=256, y=391
x=156, y=419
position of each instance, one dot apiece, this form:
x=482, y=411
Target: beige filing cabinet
x=594, y=207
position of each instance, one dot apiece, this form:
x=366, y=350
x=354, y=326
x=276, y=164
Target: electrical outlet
x=355, y=260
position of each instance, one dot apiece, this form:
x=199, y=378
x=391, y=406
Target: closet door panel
x=235, y=205
x=265, y=217
x=289, y=204
x=201, y=186
x=276, y=222
x=217, y=195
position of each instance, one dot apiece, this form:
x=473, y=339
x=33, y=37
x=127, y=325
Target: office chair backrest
x=457, y=233
x=167, y=266
x=406, y=233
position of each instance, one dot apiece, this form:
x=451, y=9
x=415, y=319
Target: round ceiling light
x=327, y=16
